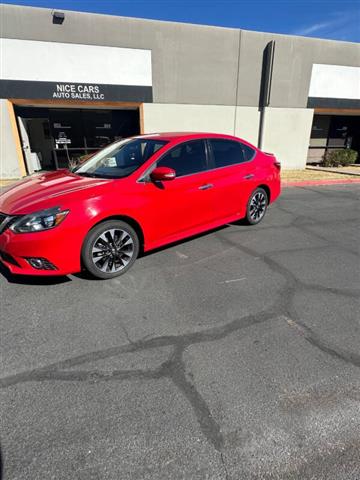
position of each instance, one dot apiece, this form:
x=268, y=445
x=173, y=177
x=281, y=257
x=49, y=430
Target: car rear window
x=226, y=152
x=249, y=153
x=230, y=152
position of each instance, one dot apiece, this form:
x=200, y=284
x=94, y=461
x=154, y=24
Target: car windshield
x=120, y=159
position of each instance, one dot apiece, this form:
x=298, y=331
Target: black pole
x=265, y=86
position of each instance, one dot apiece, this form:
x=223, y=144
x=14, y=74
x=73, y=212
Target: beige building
x=71, y=83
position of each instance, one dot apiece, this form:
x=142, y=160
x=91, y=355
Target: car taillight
x=277, y=165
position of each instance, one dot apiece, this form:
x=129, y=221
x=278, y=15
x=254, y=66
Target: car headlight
x=39, y=221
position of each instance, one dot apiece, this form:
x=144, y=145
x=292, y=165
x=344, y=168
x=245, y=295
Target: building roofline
x=167, y=22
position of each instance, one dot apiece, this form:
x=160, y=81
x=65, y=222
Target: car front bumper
x=59, y=247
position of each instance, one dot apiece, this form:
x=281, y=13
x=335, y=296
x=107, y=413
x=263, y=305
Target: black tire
x=112, y=255
x=256, y=206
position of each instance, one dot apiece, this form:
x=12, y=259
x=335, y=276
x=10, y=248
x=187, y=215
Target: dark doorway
x=344, y=132
x=58, y=137
x=333, y=132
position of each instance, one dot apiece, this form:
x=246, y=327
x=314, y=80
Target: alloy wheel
x=112, y=250
x=257, y=206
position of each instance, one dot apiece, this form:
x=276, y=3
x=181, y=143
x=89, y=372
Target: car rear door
x=234, y=175
x=185, y=203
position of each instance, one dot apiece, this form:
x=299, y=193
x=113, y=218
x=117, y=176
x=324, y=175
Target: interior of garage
x=53, y=138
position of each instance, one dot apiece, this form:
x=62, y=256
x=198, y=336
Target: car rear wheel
x=256, y=206
x=110, y=249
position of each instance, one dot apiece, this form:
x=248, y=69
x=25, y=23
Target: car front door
x=186, y=203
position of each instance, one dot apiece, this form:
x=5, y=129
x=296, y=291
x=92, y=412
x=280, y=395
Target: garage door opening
x=54, y=138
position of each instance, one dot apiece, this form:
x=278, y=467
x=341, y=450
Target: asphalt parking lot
x=234, y=355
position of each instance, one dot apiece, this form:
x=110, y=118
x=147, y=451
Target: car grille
x=8, y=258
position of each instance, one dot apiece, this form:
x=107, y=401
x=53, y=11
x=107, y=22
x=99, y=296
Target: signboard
x=335, y=81
x=81, y=92
x=334, y=86
x=34, y=60
x=63, y=141
x=75, y=72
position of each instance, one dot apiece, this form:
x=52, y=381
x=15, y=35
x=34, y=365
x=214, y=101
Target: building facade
x=74, y=82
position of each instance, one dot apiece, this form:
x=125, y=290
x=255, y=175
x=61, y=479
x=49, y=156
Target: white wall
x=161, y=117
x=287, y=135
x=164, y=117
x=9, y=164
x=247, y=124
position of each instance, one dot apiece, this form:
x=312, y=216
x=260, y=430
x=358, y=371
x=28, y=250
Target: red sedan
x=134, y=195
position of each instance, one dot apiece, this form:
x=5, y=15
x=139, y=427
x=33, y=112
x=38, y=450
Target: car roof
x=170, y=136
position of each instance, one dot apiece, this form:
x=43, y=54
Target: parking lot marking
x=234, y=280
x=181, y=255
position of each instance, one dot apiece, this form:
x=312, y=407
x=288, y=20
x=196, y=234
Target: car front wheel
x=256, y=206
x=110, y=249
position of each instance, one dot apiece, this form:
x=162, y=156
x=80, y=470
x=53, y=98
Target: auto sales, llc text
x=78, y=92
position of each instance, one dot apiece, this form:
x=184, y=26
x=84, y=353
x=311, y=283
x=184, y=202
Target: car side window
x=187, y=158
x=226, y=152
x=249, y=152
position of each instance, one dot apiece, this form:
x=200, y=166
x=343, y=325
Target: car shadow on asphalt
x=84, y=275
x=237, y=223
x=183, y=241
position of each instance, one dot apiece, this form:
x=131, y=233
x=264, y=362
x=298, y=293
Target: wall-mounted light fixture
x=58, y=17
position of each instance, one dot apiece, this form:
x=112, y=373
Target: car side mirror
x=162, y=174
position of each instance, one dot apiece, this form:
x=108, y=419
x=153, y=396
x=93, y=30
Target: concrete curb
x=304, y=183
x=316, y=169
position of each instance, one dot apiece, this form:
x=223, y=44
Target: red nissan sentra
x=134, y=195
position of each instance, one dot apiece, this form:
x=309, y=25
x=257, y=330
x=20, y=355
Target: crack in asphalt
x=174, y=367
x=293, y=285
x=224, y=465
x=188, y=339
x=302, y=223
x=176, y=371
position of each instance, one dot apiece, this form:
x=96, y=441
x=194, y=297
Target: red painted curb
x=320, y=182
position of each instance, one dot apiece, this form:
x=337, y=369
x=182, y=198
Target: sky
x=331, y=19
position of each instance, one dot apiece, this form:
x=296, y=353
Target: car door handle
x=206, y=186
x=248, y=177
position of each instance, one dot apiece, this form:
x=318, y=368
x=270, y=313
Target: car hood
x=46, y=190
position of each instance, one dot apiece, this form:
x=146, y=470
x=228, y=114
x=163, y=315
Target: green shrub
x=337, y=158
